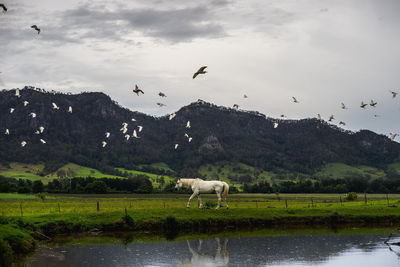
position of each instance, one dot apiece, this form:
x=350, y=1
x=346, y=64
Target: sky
x=321, y=52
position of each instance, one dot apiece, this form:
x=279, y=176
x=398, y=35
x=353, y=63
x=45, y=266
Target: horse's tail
x=226, y=189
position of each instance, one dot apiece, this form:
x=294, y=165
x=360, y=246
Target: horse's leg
x=219, y=200
x=200, y=203
x=191, y=197
x=226, y=203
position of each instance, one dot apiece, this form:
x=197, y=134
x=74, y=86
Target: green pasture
x=341, y=170
x=148, y=205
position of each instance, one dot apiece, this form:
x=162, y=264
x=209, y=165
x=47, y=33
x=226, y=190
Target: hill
x=219, y=134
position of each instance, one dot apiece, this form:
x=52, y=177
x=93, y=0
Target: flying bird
x=137, y=90
x=376, y=115
x=160, y=104
x=134, y=134
x=7, y=132
x=342, y=123
x=275, y=125
x=140, y=128
x=394, y=94
x=36, y=28
x=43, y=142
x=55, y=106
x=37, y=132
x=393, y=136
x=343, y=106
x=282, y=115
x=124, y=124
x=236, y=106
x=188, y=124
x=124, y=130
x=133, y=119
x=176, y=146
x=41, y=129
x=186, y=135
x=33, y=115
x=319, y=117
x=363, y=105
x=190, y=139
x=372, y=103
x=12, y=110
x=3, y=7
x=107, y=134
x=171, y=116
x=244, y=96
x=127, y=136
x=103, y=143
x=23, y=143
x=70, y=109
x=200, y=71
x=162, y=94
x=17, y=94
x=25, y=103
x=331, y=118
x=295, y=100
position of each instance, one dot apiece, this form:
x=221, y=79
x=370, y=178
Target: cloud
x=176, y=24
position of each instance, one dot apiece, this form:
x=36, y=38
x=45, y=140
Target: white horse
x=200, y=186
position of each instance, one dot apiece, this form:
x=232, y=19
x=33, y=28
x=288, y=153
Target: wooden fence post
x=286, y=202
x=365, y=199
x=341, y=203
x=387, y=198
x=98, y=206
x=20, y=207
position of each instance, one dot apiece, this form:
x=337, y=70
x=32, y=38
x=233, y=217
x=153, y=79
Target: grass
x=341, y=170
x=56, y=205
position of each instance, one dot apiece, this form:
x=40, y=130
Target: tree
x=97, y=187
x=37, y=186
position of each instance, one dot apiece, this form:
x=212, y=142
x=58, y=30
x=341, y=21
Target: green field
x=57, y=205
x=341, y=170
x=32, y=171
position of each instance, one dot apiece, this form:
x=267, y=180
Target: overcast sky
x=321, y=52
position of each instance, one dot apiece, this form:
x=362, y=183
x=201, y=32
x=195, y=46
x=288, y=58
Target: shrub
x=351, y=196
x=6, y=254
x=127, y=218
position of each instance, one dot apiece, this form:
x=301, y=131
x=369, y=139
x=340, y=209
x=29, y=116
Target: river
x=239, y=249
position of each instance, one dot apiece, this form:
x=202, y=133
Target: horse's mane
x=189, y=181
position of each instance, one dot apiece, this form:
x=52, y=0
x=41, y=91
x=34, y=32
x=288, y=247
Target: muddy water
x=300, y=249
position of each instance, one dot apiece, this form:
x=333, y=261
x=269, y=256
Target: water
x=278, y=250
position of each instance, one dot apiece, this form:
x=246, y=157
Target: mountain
x=219, y=134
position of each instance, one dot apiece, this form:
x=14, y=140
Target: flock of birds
x=138, y=91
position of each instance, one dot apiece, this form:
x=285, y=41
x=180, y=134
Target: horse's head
x=178, y=184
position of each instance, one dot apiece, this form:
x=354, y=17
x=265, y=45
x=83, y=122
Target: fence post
x=20, y=207
x=341, y=203
x=286, y=202
x=365, y=199
x=387, y=198
x=98, y=206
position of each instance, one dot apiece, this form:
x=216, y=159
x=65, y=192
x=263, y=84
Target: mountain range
x=219, y=134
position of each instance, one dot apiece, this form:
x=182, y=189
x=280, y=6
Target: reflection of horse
x=200, y=186
x=202, y=259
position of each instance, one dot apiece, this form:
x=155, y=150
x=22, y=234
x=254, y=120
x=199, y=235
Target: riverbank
x=167, y=217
